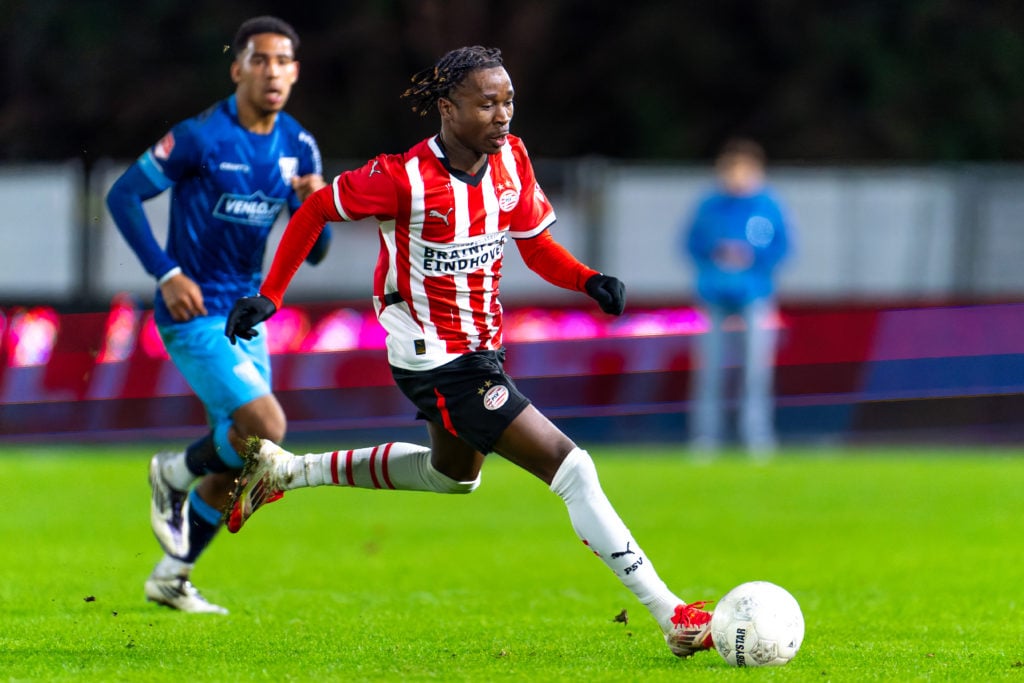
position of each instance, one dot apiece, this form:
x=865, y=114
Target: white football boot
x=177, y=592
x=259, y=483
x=168, y=509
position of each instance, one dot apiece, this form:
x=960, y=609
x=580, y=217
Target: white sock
x=600, y=528
x=399, y=466
x=176, y=472
x=171, y=568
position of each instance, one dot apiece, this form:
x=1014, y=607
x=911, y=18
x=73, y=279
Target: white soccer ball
x=757, y=624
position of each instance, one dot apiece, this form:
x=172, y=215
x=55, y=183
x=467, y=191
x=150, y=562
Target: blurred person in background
x=231, y=170
x=737, y=238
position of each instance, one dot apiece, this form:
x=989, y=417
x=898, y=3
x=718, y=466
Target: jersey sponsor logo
x=445, y=259
x=233, y=166
x=434, y=213
x=253, y=209
x=289, y=168
x=508, y=199
x=163, y=148
x=496, y=397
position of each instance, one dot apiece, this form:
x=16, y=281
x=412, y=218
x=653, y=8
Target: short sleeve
x=172, y=157
x=367, y=191
x=534, y=212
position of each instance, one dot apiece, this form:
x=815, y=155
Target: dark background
x=837, y=82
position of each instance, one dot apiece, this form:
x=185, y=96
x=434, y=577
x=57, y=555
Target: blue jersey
x=228, y=186
x=758, y=221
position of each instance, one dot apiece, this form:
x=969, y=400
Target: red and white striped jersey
x=442, y=237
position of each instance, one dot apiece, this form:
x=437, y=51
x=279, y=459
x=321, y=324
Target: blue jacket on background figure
x=736, y=239
x=736, y=243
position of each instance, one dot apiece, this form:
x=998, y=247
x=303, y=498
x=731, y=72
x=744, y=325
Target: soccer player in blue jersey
x=231, y=170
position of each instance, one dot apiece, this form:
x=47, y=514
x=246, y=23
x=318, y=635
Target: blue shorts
x=224, y=376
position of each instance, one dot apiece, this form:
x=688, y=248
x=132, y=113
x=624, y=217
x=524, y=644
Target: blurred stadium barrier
x=844, y=373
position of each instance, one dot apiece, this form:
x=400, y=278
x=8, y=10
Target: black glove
x=248, y=312
x=608, y=292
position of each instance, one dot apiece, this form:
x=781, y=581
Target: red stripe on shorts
x=334, y=468
x=446, y=418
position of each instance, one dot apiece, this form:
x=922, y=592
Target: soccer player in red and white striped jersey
x=443, y=234
x=447, y=208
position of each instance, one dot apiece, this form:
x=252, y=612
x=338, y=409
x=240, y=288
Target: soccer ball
x=757, y=624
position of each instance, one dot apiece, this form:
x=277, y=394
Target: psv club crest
x=496, y=397
x=508, y=199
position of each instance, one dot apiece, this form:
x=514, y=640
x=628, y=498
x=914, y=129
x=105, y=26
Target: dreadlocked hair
x=435, y=82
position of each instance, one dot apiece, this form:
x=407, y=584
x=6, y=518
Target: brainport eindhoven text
x=463, y=258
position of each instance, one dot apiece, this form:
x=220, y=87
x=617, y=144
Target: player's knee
x=577, y=473
x=263, y=418
x=275, y=432
x=272, y=429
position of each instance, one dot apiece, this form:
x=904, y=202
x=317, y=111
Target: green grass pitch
x=908, y=564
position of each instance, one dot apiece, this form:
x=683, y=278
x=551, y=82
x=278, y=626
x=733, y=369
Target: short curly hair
x=435, y=82
x=264, y=24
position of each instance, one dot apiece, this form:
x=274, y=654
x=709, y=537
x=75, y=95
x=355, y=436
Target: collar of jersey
x=442, y=156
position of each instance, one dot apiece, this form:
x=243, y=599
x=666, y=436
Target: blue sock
x=225, y=451
x=203, y=525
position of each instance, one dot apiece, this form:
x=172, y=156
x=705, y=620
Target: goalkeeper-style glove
x=248, y=312
x=608, y=292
